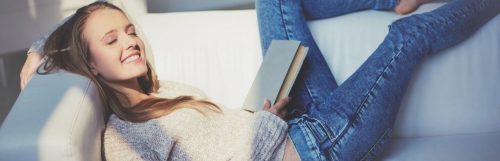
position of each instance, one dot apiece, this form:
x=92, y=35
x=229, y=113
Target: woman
x=349, y=122
x=99, y=42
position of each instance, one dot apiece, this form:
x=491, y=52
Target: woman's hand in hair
x=29, y=67
x=277, y=109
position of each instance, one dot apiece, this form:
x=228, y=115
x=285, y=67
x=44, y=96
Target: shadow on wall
x=10, y=66
x=22, y=22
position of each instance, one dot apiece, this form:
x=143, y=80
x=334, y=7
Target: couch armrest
x=56, y=117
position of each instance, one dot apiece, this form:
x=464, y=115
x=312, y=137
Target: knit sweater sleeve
x=137, y=141
x=269, y=137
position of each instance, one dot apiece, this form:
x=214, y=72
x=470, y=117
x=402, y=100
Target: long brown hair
x=66, y=49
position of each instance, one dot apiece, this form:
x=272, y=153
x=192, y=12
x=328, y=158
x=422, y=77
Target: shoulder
x=125, y=140
x=172, y=89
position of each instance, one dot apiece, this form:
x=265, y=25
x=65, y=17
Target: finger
x=282, y=103
x=28, y=78
x=283, y=113
x=267, y=104
x=23, y=80
x=22, y=84
x=22, y=75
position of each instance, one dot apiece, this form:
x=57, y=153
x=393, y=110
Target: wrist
x=32, y=51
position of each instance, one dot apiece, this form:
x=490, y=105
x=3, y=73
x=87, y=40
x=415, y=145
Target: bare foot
x=408, y=6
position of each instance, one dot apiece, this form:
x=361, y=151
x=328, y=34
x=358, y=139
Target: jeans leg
x=360, y=114
x=318, y=9
x=283, y=19
x=286, y=19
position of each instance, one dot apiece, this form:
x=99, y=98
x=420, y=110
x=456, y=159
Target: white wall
x=22, y=21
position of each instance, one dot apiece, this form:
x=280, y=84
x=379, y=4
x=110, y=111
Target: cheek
x=105, y=55
x=106, y=61
x=141, y=45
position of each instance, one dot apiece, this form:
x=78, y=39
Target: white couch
x=450, y=111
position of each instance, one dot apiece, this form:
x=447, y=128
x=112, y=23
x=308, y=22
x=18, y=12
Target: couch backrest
x=59, y=116
x=56, y=117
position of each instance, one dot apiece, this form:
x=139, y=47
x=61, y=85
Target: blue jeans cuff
x=385, y=4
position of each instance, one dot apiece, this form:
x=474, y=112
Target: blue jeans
x=354, y=121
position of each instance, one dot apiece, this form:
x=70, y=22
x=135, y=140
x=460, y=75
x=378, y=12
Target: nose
x=130, y=42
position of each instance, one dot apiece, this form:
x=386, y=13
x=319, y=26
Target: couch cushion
x=466, y=147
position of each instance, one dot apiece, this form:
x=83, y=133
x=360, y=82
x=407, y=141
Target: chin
x=139, y=72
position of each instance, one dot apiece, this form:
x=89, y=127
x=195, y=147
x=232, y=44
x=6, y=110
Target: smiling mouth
x=132, y=58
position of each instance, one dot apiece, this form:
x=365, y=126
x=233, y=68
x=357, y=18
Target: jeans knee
x=408, y=25
x=414, y=29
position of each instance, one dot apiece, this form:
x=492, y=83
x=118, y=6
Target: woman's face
x=116, y=52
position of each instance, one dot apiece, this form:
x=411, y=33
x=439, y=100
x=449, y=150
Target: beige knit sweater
x=186, y=134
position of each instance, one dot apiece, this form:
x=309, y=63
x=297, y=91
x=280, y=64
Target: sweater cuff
x=270, y=133
x=36, y=47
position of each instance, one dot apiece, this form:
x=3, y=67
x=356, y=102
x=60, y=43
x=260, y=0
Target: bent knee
x=413, y=30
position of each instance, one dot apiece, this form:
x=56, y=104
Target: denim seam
x=363, y=103
x=310, y=92
x=369, y=94
x=399, y=49
x=325, y=129
x=308, y=139
x=289, y=35
x=283, y=18
x=438, y=19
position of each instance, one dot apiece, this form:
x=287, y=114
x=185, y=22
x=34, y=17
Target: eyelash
x=114, y=40
x=111, y=42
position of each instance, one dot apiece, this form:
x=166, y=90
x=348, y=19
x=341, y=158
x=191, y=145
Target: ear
x=93, y=68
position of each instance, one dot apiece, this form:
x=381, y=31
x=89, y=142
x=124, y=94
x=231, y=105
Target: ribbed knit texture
x=187, y=134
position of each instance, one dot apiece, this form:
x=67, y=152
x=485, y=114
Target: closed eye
x=111, y=42
x=133, y=34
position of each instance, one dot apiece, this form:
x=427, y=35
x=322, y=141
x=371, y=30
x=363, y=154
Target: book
x=277, y=73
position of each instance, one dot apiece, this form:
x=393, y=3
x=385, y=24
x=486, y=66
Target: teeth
x=131, y=59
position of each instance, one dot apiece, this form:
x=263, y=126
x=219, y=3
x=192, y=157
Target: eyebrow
x=114, y=30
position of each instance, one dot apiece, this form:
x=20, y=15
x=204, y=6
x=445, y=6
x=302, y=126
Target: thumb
x=267, y=104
